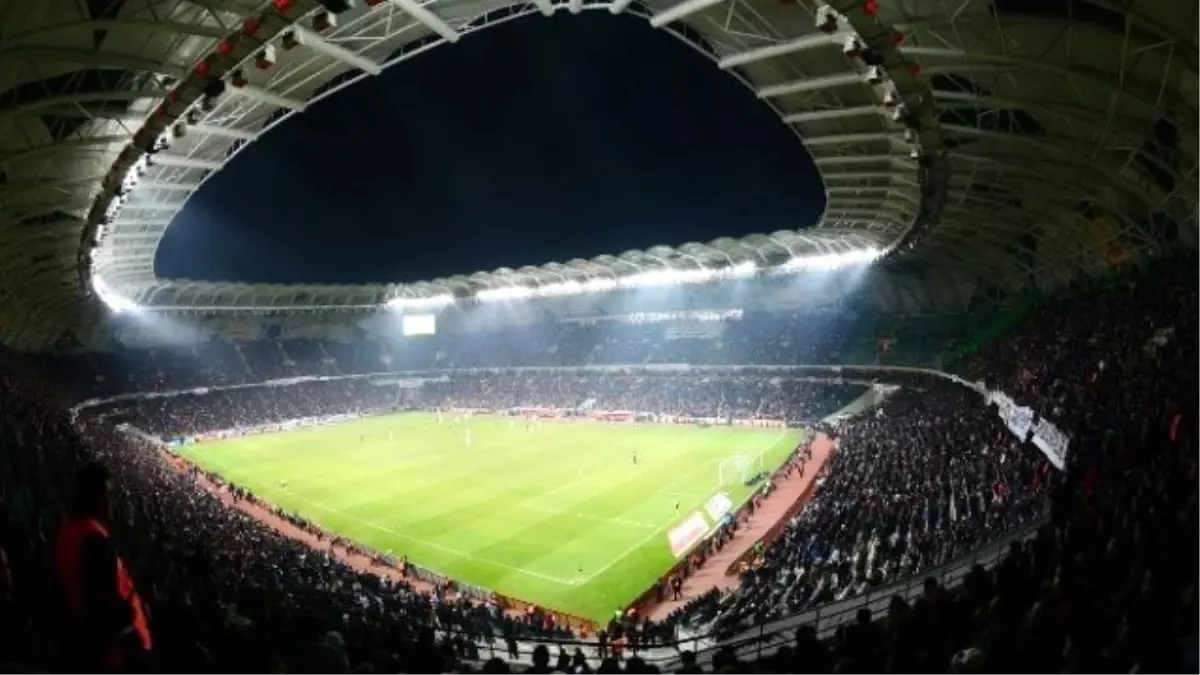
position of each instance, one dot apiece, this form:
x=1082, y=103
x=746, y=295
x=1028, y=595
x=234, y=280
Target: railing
x=764, y=638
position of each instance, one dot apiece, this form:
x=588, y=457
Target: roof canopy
x=1022, y=141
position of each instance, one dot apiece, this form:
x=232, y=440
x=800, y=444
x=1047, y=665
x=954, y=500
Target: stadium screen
x=419, y=324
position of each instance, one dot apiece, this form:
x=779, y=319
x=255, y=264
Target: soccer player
x=676, y=508
x=467, y=437
x=635, y=458
x=283, y=484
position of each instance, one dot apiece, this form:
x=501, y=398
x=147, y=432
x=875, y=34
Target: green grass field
x=556, y=515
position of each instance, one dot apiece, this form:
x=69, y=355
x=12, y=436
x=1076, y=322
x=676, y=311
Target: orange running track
x=718, y=570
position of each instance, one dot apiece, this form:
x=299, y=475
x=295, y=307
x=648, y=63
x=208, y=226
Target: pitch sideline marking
x=572, y=514
x=644, y=541
x=436, y=546
x=577, y=581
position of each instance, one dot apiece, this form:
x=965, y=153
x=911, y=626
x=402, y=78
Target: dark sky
x=539, y=140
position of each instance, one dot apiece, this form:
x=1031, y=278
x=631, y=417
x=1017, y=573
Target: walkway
x=778, y=506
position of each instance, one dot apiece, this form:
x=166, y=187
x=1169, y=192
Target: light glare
x=111, y=299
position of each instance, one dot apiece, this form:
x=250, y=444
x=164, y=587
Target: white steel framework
x=1052, y=145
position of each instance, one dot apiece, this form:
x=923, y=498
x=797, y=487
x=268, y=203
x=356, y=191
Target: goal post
x=739, y=467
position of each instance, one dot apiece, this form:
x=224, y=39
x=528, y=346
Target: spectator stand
x=811, y=372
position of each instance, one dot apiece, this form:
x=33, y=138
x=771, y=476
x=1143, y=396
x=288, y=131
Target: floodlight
x=111, y=299
x=504, y=293
x=426, y=302
x=599, y=285
x=744, y=269
x=266, y=58
x=560, y=288
x=827, y=20
x=852, y=47
x=324, y=21
x=830, y=261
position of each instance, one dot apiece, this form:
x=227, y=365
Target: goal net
x=740, y=467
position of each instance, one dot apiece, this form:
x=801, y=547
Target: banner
x=1018, y=419
x=1052, y=442
x=287, y=425
x=717, y=506
x=687, y=534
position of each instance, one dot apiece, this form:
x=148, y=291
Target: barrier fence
x=765, y=637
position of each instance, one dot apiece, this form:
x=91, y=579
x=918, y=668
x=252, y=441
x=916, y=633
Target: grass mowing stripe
x=447, y=549
x=557, y=515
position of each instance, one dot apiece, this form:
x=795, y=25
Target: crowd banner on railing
x=1052, y=442
x=1019, y=419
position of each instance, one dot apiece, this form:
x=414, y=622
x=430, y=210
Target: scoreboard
x=419, y=324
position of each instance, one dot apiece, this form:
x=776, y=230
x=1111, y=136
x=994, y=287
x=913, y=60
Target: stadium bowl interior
x=949, y=426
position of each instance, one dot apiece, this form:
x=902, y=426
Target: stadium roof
x=1035, y=139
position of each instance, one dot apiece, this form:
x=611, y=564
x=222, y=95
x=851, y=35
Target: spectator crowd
x=190, y=413
x=753, y=338
x=1108, y=583
x=926, y=478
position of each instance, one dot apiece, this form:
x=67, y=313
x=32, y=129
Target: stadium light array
x=830, y=261
x=648, y=279
x=668, y=277
x=430, y=302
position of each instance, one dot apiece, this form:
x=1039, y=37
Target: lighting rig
x=286, y=22
x=875, y=68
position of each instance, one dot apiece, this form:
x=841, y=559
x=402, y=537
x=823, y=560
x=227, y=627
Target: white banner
x=1018, y=419
x=1052, y=442
x=717, y=506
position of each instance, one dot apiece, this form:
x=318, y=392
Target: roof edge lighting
x=647, y=279
x=427, y=302
x=116, y=302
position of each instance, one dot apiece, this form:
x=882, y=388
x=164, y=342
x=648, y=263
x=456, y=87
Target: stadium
x=946, y=425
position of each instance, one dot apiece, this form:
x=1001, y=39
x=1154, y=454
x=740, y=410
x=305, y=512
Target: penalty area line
x=579, y=581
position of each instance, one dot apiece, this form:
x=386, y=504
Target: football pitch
x=557, y=515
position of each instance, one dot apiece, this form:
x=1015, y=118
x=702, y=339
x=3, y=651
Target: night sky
x=539, y=140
